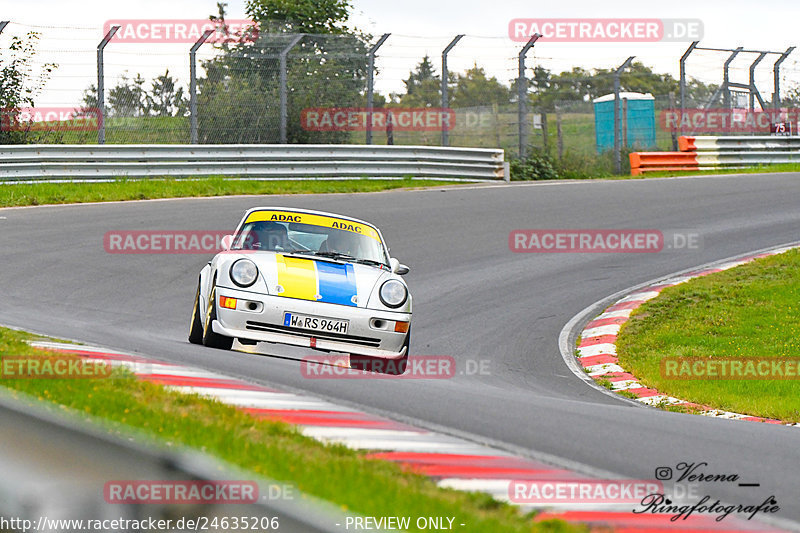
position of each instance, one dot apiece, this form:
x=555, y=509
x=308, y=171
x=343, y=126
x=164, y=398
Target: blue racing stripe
x=337, y=283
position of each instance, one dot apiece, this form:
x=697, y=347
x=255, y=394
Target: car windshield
x=317, y=235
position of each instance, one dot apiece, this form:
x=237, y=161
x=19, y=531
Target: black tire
x=379, y=365
x=211, y=339
x=196, y=327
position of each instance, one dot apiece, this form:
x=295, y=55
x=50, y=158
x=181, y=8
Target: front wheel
x=196, y=327
x=211, y=339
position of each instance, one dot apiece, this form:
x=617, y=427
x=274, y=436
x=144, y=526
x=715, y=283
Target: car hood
x=318, y=279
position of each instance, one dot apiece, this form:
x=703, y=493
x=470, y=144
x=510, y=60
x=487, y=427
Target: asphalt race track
x=473, y=299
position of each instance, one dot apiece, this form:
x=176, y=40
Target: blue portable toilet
x=638, y=127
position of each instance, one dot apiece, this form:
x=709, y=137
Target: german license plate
x=315, y=323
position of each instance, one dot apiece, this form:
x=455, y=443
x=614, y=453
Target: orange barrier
x=659, y=161
x=686, y=144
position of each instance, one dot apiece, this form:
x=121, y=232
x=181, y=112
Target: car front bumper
x=260, y=317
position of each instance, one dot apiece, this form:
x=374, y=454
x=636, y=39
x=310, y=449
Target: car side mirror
x=226, y=242
x=397, y=267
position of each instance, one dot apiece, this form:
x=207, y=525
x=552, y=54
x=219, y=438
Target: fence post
x=752, y=81
x=560, y=139
x=726, y=89
x=101, y=100
x=617, y=155
x=445, y=103
x=284, y=105
x=522, y=97
x=371, y=82
x=682, y=86
x=673, y=133
x=193, y=85
x=776, y=77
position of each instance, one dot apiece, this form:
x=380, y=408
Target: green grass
x=750, y=311
x=782, y=167
x=64, y=193
x=272, y=449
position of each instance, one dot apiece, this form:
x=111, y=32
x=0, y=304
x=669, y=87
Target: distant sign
x=780, y=128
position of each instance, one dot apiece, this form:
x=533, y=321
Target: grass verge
x=759, y=169
x=273, y=449
x=66, y=193
x=746, y=312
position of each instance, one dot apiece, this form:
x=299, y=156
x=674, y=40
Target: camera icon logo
x=663, y=473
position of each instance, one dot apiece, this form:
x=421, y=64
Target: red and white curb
x=452, y=462
x=597, y=351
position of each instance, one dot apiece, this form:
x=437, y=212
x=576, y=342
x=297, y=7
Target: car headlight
x=244, y=272
x=393, y=293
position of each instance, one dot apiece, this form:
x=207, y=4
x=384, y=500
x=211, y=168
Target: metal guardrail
x=710, y=152
x=27, y=162
x=54, y=465
x=712, y=143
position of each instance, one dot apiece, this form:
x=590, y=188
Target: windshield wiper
x=339, y=255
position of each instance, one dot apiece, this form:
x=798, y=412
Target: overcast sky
x=419, y=27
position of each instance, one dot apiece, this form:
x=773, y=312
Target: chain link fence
x=315, y=89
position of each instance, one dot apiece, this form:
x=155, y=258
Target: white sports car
x=304, y=278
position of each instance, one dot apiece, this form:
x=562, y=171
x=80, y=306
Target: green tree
x=19, y=86
x=474, y=88
x=128, y=98
x=165, y=99
x=239, y=99
x=307, y=16
x=423, y=87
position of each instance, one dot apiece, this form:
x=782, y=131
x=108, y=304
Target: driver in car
x=341, y=242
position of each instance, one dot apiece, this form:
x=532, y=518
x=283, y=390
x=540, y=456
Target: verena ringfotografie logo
x=358, y=119
x=180, y=492
x=582, y=491
x=50, y=119
x=417, y=367
x=601, y=241
x=181, y=30
x=53, y=367
x=698, y=120
x=606, y=30
x=719, y=368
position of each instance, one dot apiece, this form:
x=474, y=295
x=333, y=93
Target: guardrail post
x=101, y=99
x=445, y=132
x=684, y=57
x=522, y=97
x=776, y=77
x=193, y=85
x=284, y=105
x=371, y=82
x=617, y=152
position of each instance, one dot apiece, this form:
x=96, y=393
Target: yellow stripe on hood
x=298, y=277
